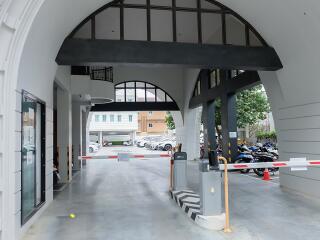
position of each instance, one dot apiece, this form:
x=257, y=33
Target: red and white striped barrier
x=292, y=164
x=129, y=155
x=122, y=157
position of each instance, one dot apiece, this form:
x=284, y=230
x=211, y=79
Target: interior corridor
x=129, y=200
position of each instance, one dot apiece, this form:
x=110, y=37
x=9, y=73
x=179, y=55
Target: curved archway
x=139, y=96
x=204, y=19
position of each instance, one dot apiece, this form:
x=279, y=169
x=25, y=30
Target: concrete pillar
x=76, y=133
x=64, y=134
x=229, y=126
x=209, y=126
x=100, y=137
x=189, y=134
x=84, y=134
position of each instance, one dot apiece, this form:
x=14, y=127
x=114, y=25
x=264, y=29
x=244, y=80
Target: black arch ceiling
x=151, y=98
x=186, y=52
x=220, y=9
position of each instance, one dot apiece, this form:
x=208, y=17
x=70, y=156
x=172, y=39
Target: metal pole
x=227, y=228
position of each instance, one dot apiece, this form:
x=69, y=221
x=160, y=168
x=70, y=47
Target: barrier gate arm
x=311, y=163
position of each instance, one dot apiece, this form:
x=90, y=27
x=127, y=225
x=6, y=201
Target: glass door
x=32, y=156
x=28, y=155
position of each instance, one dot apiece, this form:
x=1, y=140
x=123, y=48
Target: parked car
x=93, y=148
x=154, y=142
x=98, y=145
x=127, y=143
x=167, y=145
x=142, y=142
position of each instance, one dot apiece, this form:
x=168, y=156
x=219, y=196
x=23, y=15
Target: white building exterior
x=113, y=126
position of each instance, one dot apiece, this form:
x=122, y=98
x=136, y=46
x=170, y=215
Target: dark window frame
x=26, y=94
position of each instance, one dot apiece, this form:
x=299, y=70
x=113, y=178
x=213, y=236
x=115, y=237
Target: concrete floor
x=129, y=200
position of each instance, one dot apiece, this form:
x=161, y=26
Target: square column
x=208, y=116
x=64, y=134
x=229, y=126
x=76, y=133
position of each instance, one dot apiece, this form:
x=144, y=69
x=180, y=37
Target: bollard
x=227, y=228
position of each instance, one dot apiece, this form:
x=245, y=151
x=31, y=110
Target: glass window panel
x=206, y=5
x=135, y=24
x=211, y=28
x=234, y=73
x=150, y=86
x=167, y=3
x=141, y=97
x=120, y=85
x=187, y=27
x=130, y=95
x=84, y=32
x=151, y=95
x=161, y=96
x=213, y=81
x=119, y=118
x=135, y=1
x=130, y=84
x=186, y=3
x=140, y=84
x=254, y=41
x=104, y=118
x=218, y=77
x=112, y=118
x=119, y=95
x=235, y=31
x=110, y=30
x=199, y=87
x=169, y=99
x=160, y=18
x=195, y=92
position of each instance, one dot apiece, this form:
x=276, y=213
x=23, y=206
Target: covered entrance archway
x=29, y=48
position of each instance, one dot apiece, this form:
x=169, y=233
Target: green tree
x=169, y=121
x=252, y=106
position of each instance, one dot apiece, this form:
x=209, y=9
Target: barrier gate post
x=210, y=190
x=180, y=171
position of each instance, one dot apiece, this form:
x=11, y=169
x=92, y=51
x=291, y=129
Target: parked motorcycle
x=260, y=157
x=244, y=156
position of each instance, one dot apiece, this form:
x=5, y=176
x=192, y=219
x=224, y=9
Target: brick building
x=152, y=123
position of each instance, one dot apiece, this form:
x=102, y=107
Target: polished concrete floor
x=129, y=201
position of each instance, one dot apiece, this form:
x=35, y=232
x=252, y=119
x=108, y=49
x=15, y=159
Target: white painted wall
x=108, y=125
x=82, y=85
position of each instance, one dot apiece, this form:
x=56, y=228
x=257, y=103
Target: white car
x=93, y=148
x=167, y=145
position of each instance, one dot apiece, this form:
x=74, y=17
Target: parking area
x=113, y=150
x=130, y=200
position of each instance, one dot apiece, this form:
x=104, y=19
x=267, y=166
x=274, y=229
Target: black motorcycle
x=245, y=156
x=260, y=157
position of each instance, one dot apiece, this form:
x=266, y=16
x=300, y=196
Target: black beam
x=91, y=52
x=241, y=82
x=135, y=106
